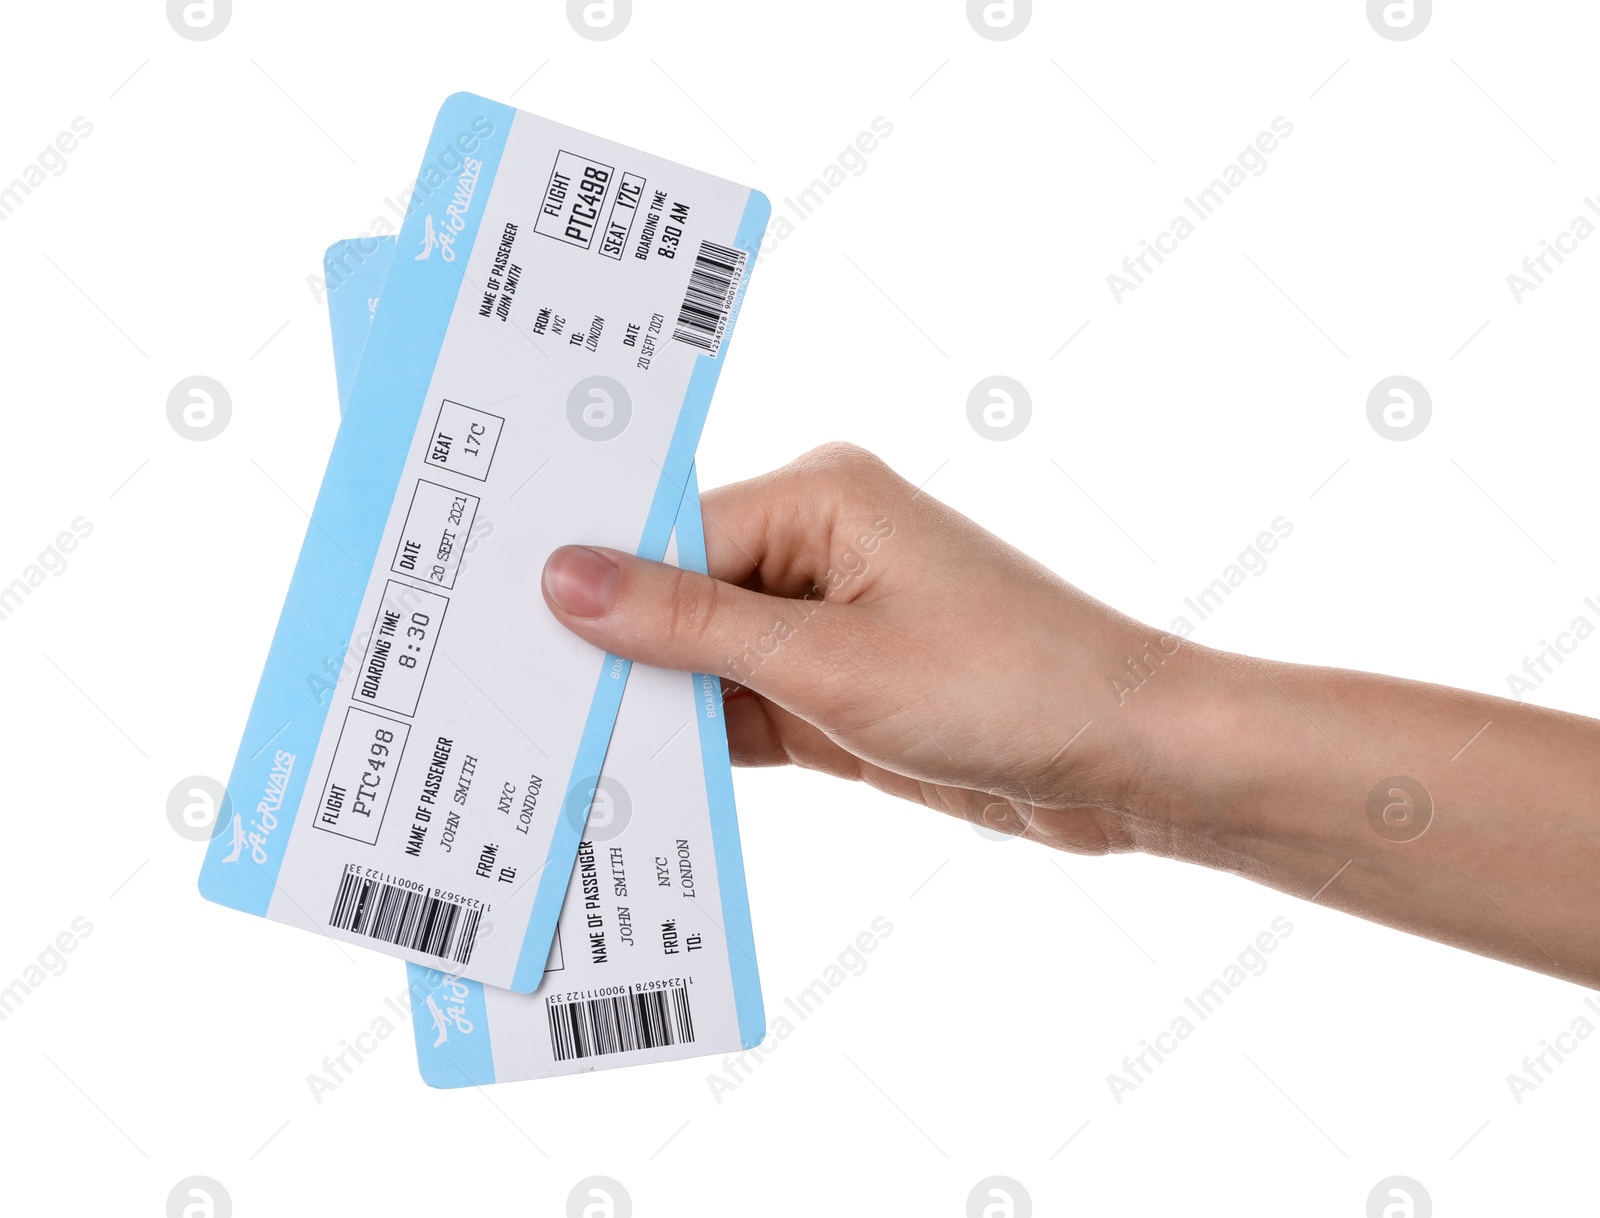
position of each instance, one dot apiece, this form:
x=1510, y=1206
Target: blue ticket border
x=352, y=508
x=725, y=841
x=471, y=1061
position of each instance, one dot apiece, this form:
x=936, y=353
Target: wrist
x=1196, y=737
x=1150, y=746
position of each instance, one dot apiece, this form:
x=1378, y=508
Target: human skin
x=876, y=634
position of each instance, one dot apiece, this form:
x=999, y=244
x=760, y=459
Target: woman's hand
x=876, y=634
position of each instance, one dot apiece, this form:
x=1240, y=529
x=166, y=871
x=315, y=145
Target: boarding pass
x=653, y=957
x=426, y=740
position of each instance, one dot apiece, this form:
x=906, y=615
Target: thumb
x=661, y=615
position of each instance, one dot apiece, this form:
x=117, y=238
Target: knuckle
x=844, y=476
x=693, y=606
x=841, y=457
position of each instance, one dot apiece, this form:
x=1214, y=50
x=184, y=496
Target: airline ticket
x=654, y=958
x=417, y=768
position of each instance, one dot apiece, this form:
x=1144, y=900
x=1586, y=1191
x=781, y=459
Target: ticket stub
x=426, y=739
x=654, y=958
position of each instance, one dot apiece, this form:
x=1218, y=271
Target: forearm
x=1268, y=770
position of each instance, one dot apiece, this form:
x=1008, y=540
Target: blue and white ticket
x=654, y=958
x=418, y=766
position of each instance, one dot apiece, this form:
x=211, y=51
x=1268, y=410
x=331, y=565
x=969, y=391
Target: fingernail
x=583, y=582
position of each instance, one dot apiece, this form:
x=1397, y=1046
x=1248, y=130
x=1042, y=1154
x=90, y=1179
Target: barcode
x=703, y=317
x=414, y=919
x=645, y=1019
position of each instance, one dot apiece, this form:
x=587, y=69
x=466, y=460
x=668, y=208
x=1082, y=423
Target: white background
x=1226, y=391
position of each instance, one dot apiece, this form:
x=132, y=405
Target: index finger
x=782, y=533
